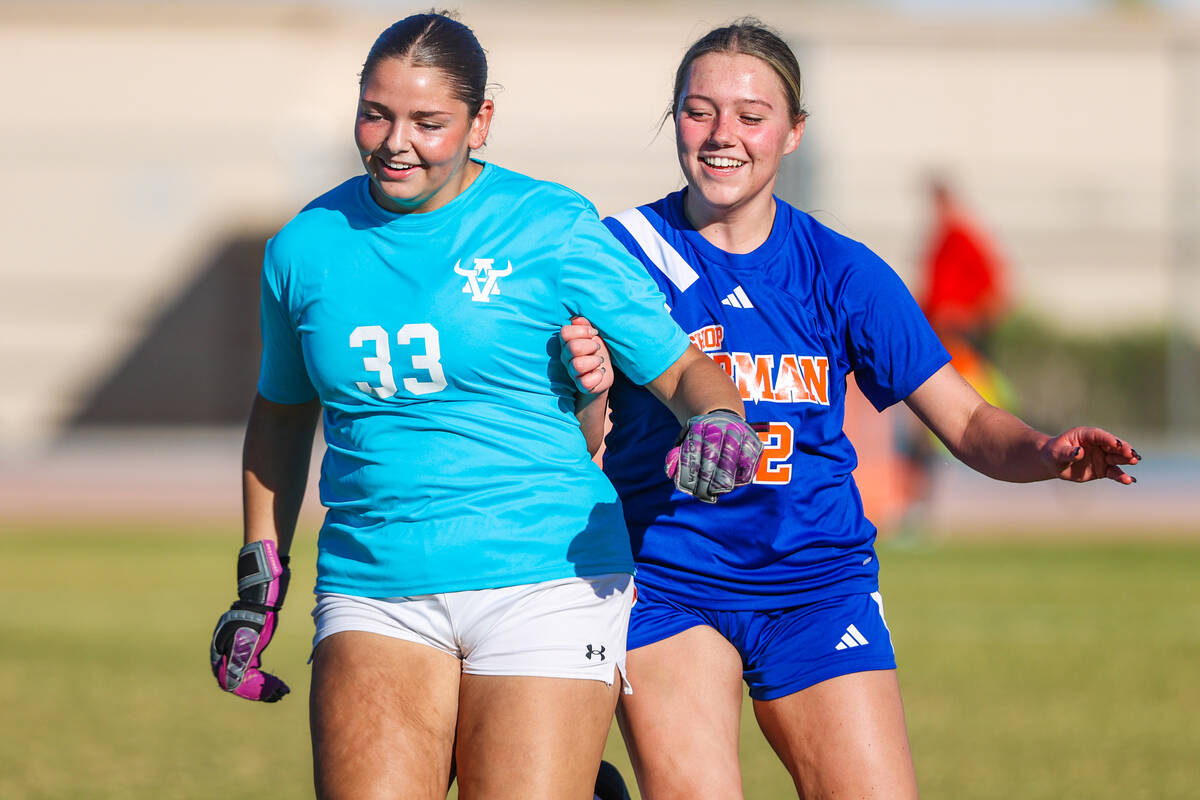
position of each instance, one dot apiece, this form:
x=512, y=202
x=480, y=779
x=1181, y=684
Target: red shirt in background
x=964, y=287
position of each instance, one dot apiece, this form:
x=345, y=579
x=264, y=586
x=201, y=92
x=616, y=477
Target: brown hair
x=750, y=37
x=439, y=41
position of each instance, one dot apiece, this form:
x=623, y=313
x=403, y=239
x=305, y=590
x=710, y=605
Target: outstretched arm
x=997, y=444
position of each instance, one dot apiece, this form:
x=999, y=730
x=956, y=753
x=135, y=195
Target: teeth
x=723, y=162
x=395, y=165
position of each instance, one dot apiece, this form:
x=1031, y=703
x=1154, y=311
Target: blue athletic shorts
x=783, y=650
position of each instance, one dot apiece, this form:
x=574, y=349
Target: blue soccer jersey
x=788, y=322
x=453, y=457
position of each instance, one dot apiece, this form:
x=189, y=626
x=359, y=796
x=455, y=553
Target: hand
x=245, y=630
x=715, y=453
x=1088, y=454
x=586, y=356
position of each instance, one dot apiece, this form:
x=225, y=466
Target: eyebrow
x=744, y=100
x=415, y=114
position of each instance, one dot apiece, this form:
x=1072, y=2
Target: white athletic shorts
x=568, y=628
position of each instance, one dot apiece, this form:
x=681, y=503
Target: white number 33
x=381, y=362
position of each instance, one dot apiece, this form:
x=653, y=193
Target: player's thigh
x=681, y=723
x=382, y=712
x=541, y=671
x=532, y=737
x=843, y=737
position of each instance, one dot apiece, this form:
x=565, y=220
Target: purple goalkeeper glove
x=245, y=630
x=715, y=453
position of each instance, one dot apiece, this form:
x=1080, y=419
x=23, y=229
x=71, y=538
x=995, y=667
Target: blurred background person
x=964, y=286
x=964, y=294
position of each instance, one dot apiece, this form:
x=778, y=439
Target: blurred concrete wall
x=138, y=140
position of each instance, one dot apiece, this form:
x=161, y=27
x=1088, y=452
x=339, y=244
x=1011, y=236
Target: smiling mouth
x=722, y=163
x=397, y=167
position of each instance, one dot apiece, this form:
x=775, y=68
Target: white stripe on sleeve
x=657, y=249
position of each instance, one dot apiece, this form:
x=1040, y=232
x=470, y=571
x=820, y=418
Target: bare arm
x=715, y=453
x=997, y=444
x=586, y=357
x=592, y=412
x=693, y=385
x=275, y=458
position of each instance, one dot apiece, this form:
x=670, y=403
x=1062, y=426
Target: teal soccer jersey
x=453, y=457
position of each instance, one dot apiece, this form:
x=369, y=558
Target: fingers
x=1112, y=446
x=1062, y=451
x=685, y=464
x=238, y=641
x=1119, y=475
x=673, y=465
x=1122, y=453
x=592, y=373
x=1120, y=458
x=576, y=332
x=595, y=382
x=691, y=456
x=586, y=355
x=713, y=458
x=254, y=684
x=582, y=346
x=261, y=686
x=585, y=364
x=737, y=461
x=751, y=451
x=709, y=479
x=1087, y=454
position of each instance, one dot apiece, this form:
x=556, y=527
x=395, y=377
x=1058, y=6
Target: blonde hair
x=751, y=37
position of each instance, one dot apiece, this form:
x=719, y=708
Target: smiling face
x=415, y=136
x=732, y=128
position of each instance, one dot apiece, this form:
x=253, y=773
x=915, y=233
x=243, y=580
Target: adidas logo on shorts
x=851, y=638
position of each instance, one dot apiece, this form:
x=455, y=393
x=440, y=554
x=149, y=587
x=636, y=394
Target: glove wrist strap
x=260, y=570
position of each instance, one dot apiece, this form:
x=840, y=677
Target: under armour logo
x=594, y=652
x=483, y=269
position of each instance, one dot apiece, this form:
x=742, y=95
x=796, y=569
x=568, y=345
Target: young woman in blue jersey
x=777, y=585
x=473, y=570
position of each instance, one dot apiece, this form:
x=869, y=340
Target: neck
x=735, y=229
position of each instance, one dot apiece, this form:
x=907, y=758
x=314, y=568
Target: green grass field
x=1030, y=669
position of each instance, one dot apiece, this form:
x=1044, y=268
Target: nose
x=721, y=133
x=397, y=138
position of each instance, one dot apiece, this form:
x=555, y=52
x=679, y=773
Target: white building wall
x=1062, y=146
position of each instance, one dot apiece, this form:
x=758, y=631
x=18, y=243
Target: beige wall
x=133, y=138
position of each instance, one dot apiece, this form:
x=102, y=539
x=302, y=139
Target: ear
x=477, y=137
x=794, y=136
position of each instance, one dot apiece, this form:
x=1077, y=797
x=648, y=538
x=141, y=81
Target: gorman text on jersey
x=796, y=379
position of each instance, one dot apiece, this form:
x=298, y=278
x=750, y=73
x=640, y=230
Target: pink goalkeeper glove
x=715, y=453
x=245, y=630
